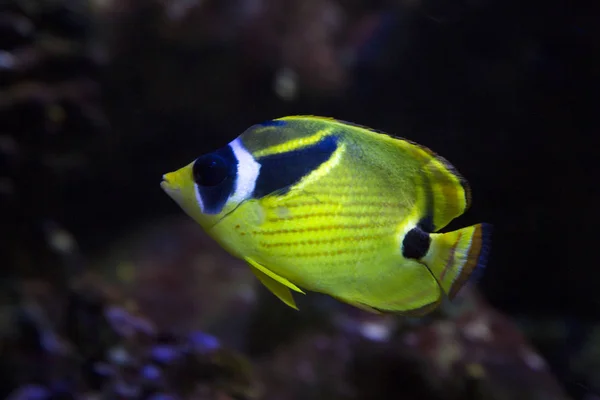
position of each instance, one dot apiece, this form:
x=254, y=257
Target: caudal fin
x=455, y=257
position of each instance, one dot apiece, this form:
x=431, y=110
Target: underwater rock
x=109, y=349
x=464, y=350
x=312, y=366
x=184, y=282
x=571, y=345
x=484, y=352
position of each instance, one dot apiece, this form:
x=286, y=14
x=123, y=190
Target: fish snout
x=167, y=183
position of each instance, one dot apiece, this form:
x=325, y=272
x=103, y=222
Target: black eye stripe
x=215, y=175
x=280, y=171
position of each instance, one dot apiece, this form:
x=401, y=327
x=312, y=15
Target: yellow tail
x=453, y=257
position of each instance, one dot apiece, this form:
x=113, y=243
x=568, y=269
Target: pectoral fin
x=278, y=285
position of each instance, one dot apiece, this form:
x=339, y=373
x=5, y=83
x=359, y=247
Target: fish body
x=317, y=204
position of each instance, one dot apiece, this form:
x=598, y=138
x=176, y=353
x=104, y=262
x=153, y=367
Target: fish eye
x=210, y=170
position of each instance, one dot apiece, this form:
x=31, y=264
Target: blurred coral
x=165, y=321
x=485, y=351
x=51, y=122
x=89, y=342
x=183, y=280
x=467, y=350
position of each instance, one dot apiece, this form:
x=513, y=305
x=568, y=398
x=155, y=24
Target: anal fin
x=359, y=305
x=365, y=307
x=417, y=312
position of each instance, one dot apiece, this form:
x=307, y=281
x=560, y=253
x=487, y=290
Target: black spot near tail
x=416, y=244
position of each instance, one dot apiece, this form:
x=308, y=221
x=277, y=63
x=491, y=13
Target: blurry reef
x=169, y=321
x=106, y=296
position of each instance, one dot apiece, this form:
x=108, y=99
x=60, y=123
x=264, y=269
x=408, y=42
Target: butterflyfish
x=318, y=204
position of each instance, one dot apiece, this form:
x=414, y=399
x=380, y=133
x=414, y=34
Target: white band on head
x=247, y=172
x=198, y=198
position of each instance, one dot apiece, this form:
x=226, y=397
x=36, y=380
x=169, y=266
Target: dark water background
x=505, y=90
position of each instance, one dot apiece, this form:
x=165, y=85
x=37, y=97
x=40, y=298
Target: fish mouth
x=164, y=184
x=167, y=185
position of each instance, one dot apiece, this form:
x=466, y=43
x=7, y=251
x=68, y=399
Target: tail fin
x=453, y=257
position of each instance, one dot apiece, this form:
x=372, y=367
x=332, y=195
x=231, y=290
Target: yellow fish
x=313, y=203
